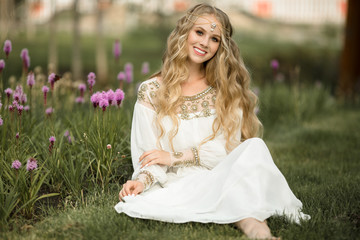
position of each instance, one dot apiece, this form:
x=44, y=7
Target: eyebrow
x=216, y=35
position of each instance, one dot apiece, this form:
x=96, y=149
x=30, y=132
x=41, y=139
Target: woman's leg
x=255, y=229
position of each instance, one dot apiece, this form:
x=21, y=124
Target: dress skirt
x=246, y=183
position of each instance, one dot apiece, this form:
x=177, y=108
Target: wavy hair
x=225, y=71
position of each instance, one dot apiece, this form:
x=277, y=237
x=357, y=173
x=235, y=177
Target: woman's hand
x=131, y=188
x=152, y=157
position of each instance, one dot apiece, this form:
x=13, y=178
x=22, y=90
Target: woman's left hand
x=155, y=156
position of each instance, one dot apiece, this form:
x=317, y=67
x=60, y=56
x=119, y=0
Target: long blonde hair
x=226, y=72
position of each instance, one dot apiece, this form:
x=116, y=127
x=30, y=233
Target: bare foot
x=255, y=229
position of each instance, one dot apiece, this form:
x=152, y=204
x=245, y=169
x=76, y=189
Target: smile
x=199, y=51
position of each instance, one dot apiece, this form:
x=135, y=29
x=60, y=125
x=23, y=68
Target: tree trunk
x=53, y=55
x=7, y=15
x=349, y=82
x=76, y=51
x=101, y=60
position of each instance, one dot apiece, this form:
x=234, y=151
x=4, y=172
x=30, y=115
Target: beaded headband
x=213, y=25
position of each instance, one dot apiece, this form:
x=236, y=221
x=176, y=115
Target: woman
x=194, y=144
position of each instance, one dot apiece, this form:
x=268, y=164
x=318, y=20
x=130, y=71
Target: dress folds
x=223, y=188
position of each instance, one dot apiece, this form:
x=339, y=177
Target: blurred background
x=74, y=37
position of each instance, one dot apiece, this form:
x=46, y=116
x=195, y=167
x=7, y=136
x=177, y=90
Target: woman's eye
x=198, y=32
x=215, y=39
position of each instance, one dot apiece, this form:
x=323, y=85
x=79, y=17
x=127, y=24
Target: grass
x=319, y=159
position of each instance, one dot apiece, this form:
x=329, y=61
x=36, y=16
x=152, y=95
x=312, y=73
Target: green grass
x=319, y=158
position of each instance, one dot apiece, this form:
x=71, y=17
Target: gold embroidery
x=149, y=179
x=198, y=105
x=194, y=161
x=178, y=154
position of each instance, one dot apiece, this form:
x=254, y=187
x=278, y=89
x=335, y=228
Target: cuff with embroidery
x=185, y=158
x=146, y=178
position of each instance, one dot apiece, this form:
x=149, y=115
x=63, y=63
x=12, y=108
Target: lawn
x=319, y=158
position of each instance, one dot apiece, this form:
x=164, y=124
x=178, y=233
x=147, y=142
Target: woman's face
x=203, y=40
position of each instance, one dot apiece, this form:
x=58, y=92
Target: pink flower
x=52, y=79
x=95, y=99
x=91, y=80
x=67, y=133
x=0, y=105
x=25, y=58
x=69, y=139
x=110, y=96
x=45, y=90
x=27, y=108
x=49, y=111
x=274, y=64
x=17, y=136
x=82, y=88
x=119, y=96
x=117, y=49
x=8, y=92
x=30, y=79
x=16, y=164
x=121, y=76
x=129, y=72
x=79, y=100
x=11, y=108
x=7, y=47
x=108, y=146
x=52, y=140
x=2, y=65
x=145, y=69
x=23, y=98
x=1, y=121
x=20, y=108
x=31, y=164
x=103, y=103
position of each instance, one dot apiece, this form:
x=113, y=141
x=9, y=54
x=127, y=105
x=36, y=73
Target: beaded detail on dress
x=196, y=106
x=199, y=105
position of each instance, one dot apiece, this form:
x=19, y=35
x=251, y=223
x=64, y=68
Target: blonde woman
x=194, y=141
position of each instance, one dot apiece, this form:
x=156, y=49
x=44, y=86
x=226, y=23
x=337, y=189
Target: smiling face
x=203, y=40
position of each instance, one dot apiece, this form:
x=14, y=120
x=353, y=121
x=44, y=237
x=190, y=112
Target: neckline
x=198, y=95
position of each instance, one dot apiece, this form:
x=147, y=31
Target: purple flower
x=17, y=135
x=95, y=99
x=49, y=111
x=52, y=78
x=8, y=92
x=79, y=100
x=52, y=140
x=67, y=133
x=16, y=164
x=91, y=80
x=20, y=108
x=2, y=65
x=27, y=108
x=1, y=121
x=121, y=76
x=103, y=103
x=69, y=139
x=82, y=88
x=110, y=96
x=145, y=69
x=119, y=96
x=117, y=49
x=23, y=98
x=128, y=72
x=11, y=108
x=31, y=164
x=30, y=79
x=7, y=47
x=25, y=58
x=45, y=90
x=274, y=64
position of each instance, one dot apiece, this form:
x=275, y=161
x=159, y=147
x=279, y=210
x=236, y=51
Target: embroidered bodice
x=196, y=106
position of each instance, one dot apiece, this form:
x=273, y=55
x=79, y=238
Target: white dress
x=217, y=186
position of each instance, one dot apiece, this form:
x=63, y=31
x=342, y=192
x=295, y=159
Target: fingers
x=145, y=154
x=138, y=189
x=149, y=161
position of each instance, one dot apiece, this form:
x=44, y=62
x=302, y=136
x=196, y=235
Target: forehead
x=206, y=21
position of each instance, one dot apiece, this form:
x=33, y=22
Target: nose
x=204, y=41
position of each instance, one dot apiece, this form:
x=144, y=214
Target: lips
x=199, y=51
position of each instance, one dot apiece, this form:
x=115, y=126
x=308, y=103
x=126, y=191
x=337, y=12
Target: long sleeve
x=144, y=138
x=207, y=155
